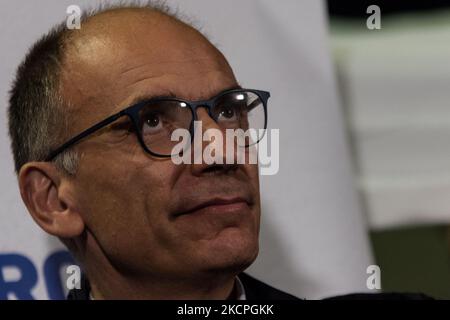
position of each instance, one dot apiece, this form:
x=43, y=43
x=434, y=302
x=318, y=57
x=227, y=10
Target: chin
x=232, y=252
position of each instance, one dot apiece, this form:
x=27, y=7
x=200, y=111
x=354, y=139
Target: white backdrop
x=397, y=93
x=313, y=238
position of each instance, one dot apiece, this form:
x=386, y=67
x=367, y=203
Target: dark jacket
x=257, y=290
x=254, y=290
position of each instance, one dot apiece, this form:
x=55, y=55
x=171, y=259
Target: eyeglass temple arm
x=256, y=102
x=84, y=134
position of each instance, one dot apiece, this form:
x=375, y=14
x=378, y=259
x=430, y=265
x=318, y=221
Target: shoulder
x=382, y=296
x=258, y=290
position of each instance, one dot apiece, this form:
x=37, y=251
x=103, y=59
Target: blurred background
x=364, y=123
x=394, y=85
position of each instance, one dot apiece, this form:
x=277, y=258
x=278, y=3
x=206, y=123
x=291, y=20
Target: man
x=141, y=226
x=91, y=117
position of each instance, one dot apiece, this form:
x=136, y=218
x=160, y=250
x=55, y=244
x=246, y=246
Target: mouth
x=218, y=206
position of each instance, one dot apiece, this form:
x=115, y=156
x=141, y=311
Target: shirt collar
x=240, y=291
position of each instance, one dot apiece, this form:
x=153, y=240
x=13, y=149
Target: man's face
x=131, y=201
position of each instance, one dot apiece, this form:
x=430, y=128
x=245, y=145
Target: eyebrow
x=170, y=95
x=149, y=96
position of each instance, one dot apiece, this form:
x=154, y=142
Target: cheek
x=125, y=202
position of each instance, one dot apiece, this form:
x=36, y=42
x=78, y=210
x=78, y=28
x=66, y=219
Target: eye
x=228, y=113
x=152, y=123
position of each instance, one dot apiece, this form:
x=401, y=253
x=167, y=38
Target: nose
x=212, y=158
x=207, y=121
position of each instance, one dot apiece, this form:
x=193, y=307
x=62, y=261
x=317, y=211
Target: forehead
x=120, y=56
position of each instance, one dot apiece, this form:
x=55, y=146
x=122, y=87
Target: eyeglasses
x=155, y=120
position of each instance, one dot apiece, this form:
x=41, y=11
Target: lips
x=216, y=205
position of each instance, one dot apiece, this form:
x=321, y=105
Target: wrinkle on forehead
x=119, y=56
x=195, y=61
x=216, y=83
x=186, y=68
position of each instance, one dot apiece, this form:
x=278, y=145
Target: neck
x=117, y=286
x=108, y=282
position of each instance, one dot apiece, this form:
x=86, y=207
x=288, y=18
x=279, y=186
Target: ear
x=47, y=194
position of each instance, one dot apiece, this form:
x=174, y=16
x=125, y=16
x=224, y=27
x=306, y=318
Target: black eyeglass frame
x=133, y=113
